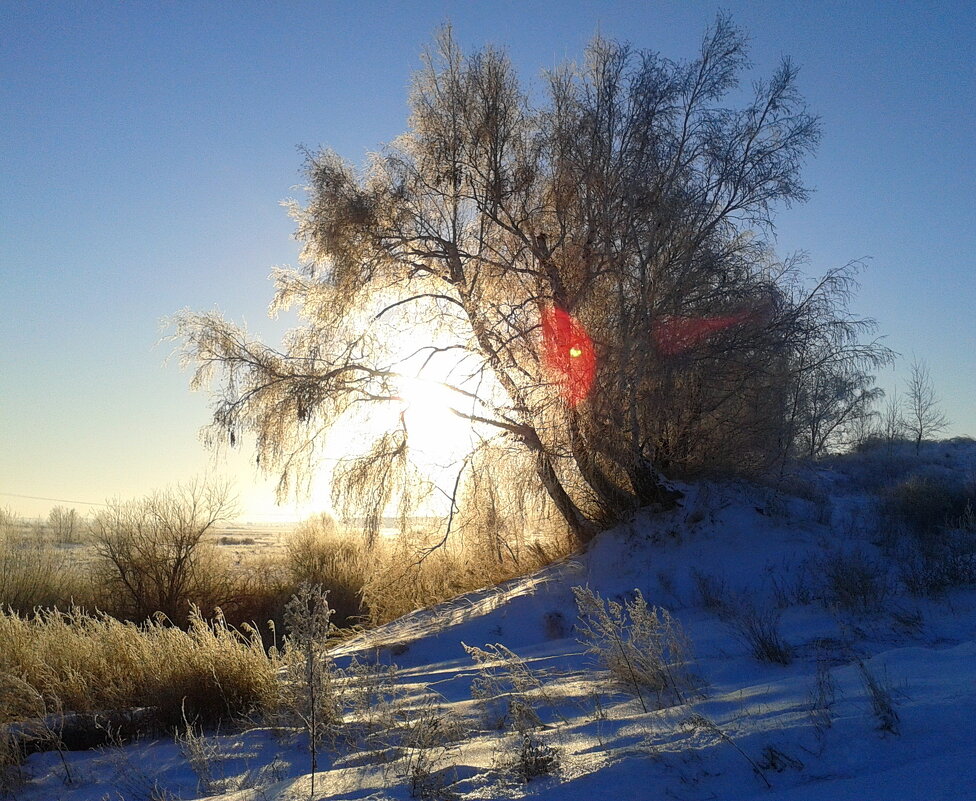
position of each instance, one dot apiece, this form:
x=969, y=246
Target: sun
x=438, y=436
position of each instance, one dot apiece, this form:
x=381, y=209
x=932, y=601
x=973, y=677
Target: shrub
x=855, y=582
x=534, y=758
x=758, y=627
x=152, y=556
x=925, y=506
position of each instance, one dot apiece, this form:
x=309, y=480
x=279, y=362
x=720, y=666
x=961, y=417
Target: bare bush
x=533, y=758
x=152, y=554
x=855, y=581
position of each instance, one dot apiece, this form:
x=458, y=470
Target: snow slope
x=751, y=729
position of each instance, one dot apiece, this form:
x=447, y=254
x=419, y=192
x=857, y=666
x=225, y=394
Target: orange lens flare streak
x=674, y=335
x=568, y=350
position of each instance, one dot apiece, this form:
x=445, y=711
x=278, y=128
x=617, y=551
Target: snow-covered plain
x=750, y=729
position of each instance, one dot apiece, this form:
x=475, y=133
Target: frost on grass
x=507, y=689
x=310, y=691
x=644, y=647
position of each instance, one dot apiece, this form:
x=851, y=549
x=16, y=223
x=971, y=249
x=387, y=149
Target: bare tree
x=923, y=416
x=152, y=552
x=831, y=390
x=587, y=277
x=891, y=420
x=64, y=524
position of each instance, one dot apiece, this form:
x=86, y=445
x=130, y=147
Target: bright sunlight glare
x=438, y=437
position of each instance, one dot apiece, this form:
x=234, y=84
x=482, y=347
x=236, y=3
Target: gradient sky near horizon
x=145, y=148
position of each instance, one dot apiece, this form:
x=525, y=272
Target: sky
x=145, y=149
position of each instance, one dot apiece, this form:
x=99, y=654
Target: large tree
x=587, y=275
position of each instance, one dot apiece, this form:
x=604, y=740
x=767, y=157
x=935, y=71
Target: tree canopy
x=586, y=272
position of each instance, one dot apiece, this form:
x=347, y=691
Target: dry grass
x=316, y=553
x=407, y=575
x=642, y=646
x=367, y=585
x=34, y=571
x=77, y=662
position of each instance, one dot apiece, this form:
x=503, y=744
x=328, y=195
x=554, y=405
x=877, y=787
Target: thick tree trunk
x=613, y=498
x=582, y=529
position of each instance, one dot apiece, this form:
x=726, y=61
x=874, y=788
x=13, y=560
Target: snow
x=750, y=540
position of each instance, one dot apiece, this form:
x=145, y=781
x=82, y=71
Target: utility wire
x=56, y=500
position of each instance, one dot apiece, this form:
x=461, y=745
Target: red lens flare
x=568, y=352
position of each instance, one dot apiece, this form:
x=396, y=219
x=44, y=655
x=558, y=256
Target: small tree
x=831, y=390
x=892, y=422
x=923, y=416
x=64, y=524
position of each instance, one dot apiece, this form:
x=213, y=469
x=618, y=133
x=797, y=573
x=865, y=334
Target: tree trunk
x=582, y=529
x=651, y=488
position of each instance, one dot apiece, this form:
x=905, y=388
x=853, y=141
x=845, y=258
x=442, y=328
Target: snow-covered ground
x=734, y=553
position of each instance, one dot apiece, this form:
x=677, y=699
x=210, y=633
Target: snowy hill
x=813, y=670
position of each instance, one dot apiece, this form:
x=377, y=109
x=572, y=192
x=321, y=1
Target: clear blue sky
x=145, y=147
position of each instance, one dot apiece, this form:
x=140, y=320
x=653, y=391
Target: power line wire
x=56, y=500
